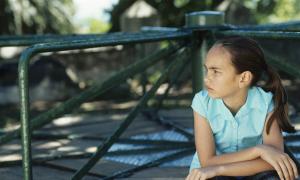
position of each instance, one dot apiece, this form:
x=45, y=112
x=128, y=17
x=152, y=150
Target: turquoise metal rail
x=51, y=43
x=262, y=34
x=27, y=40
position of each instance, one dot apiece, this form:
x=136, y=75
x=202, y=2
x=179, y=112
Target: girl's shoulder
x=202, y=96
x=262, y=94
x=262, y=98
x=200, y=101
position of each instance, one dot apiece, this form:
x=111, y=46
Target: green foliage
x=98, y=26
x=273, y=11
x=180, y=3
x=285, y=10
x=154, y=77
x=36, y=16
x=237, y=12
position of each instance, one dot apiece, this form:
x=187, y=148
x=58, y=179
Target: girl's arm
x=268, y=156
x=245, y=168
x=272, y=157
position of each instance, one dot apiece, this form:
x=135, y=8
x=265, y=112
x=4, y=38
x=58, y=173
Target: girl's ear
x=245, y=79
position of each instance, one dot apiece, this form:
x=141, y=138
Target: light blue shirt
x=234, y=133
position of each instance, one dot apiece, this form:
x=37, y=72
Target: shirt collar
x=253, y=101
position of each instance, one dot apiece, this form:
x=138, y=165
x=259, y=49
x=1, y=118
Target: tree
x=35, y=16
x=236, y=12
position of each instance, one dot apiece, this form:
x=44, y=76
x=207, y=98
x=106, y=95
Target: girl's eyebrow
x=212, y=67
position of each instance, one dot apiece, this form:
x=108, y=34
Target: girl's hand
x=282, y=163
x=203, y=173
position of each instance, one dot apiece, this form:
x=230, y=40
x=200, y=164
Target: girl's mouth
x=209, y=88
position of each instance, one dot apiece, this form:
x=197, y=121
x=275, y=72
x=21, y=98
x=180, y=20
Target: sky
x=92, y=8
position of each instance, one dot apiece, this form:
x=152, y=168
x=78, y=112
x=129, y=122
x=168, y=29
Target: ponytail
x=280, y=101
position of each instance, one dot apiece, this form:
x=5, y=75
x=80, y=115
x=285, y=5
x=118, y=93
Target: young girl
x=237, y=123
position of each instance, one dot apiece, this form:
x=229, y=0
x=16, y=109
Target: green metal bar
x=197, y=58
x=94, y=91
x=159, y=29
x=285, y=26
x=260, y=34
x=101, y=150
x=27, y=40
x=86, y=41
x=170, y=84
x=25, y=126
x=154, y=163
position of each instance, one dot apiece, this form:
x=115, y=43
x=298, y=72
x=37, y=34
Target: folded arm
x=244, y=162
x=206, y=149
x=245, y=168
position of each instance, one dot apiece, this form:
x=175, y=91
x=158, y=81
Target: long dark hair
x=246, y=55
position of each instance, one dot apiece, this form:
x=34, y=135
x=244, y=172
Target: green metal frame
x=93, y=91
x=88, y=94
x=195, y=36
x=103, y=148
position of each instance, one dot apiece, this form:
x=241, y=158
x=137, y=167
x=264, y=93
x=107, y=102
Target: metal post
x=196, y=19
x=25, y=126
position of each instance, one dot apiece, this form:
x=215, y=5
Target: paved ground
x=94, y=127
x=89, y=130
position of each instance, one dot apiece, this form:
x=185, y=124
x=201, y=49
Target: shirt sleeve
x=198, y=104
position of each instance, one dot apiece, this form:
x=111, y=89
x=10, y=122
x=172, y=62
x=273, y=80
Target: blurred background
x=63, y=74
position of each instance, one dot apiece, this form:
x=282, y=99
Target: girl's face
x=221, y=79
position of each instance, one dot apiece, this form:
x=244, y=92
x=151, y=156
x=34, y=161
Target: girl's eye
x=215, y=72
